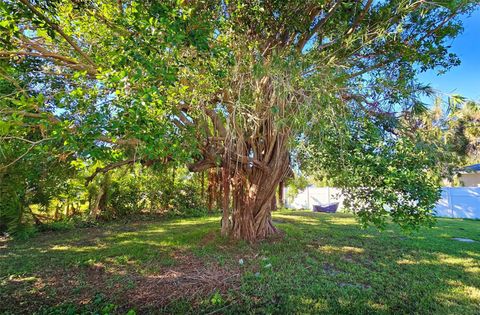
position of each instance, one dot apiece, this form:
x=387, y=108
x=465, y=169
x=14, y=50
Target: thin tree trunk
x=212, y=188
x=21, y=209
x=281, y=198
x=225, y=201
x=202, y=192
x=219, y=189
x=102, y=198
x=273, y=206
x=57, y=212
x=67, y=208
x=95, y=210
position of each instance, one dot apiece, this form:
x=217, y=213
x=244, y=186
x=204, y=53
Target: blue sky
x=464, y=79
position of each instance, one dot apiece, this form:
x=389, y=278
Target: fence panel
x=312, y=195
x=459, y=202
x=455, y=202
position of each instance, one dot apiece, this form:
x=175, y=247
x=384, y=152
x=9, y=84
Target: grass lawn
x=324, y=264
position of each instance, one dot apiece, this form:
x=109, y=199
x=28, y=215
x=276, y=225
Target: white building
x=470, y=176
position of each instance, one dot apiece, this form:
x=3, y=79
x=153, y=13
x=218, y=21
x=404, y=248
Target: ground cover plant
x=323, y=263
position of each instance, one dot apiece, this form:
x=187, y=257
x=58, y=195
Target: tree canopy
x=257, y=89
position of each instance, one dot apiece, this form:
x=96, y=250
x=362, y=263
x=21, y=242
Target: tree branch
x=65, y=61
x=307, y=36
x=368, y=69
x=107, y=168
x=123, y=163
x=59, y=30
x=44, y=115
x=25, y=153
x=217, y=123
x=359, y=17
x=444, y=21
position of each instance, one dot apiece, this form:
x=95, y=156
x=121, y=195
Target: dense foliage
x=247, y=87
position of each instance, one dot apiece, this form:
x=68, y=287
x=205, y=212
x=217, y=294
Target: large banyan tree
x=255, y=89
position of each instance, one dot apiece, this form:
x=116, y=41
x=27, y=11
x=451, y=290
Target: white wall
x=456, y=202
x=459, y=202
x=470, y=179
x=314, y=196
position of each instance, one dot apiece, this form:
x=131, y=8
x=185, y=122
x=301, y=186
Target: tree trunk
x=67, y=208
x=202, y=190
x=101, y=198
x=57, y=211
x=273, y=205
x=96, y=207
x=281, y=198
x=211, y=189
x=254, y=160
x=249, y=189
x=225, y=201
x=251, y=218
x=220, y=186
x=214, y=191
x=254, y=189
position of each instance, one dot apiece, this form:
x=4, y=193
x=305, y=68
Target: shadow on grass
x=145, y=265
x=325, y=263
x=335, y=267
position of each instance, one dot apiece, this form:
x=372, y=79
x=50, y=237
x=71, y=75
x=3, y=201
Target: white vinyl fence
x=312, y=195
x=456, y=202
x=459, y=202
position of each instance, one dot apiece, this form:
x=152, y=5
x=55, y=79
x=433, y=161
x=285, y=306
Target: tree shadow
x=144, y=265
x=324, y=264
x=348, y=270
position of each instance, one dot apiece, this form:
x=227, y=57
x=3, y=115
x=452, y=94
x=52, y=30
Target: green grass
x=324, y=264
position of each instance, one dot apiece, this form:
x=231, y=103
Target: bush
x=152, y=193
x=182, y=200
x=62, y=225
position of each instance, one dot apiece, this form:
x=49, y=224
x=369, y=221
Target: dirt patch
x=191, y=279
x=276, y=238
x=331, y=270
x=208, y=238
x=360, y=286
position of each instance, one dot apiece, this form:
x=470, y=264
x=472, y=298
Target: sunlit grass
x=325, y=263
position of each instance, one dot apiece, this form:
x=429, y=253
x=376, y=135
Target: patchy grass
x=324, y=264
